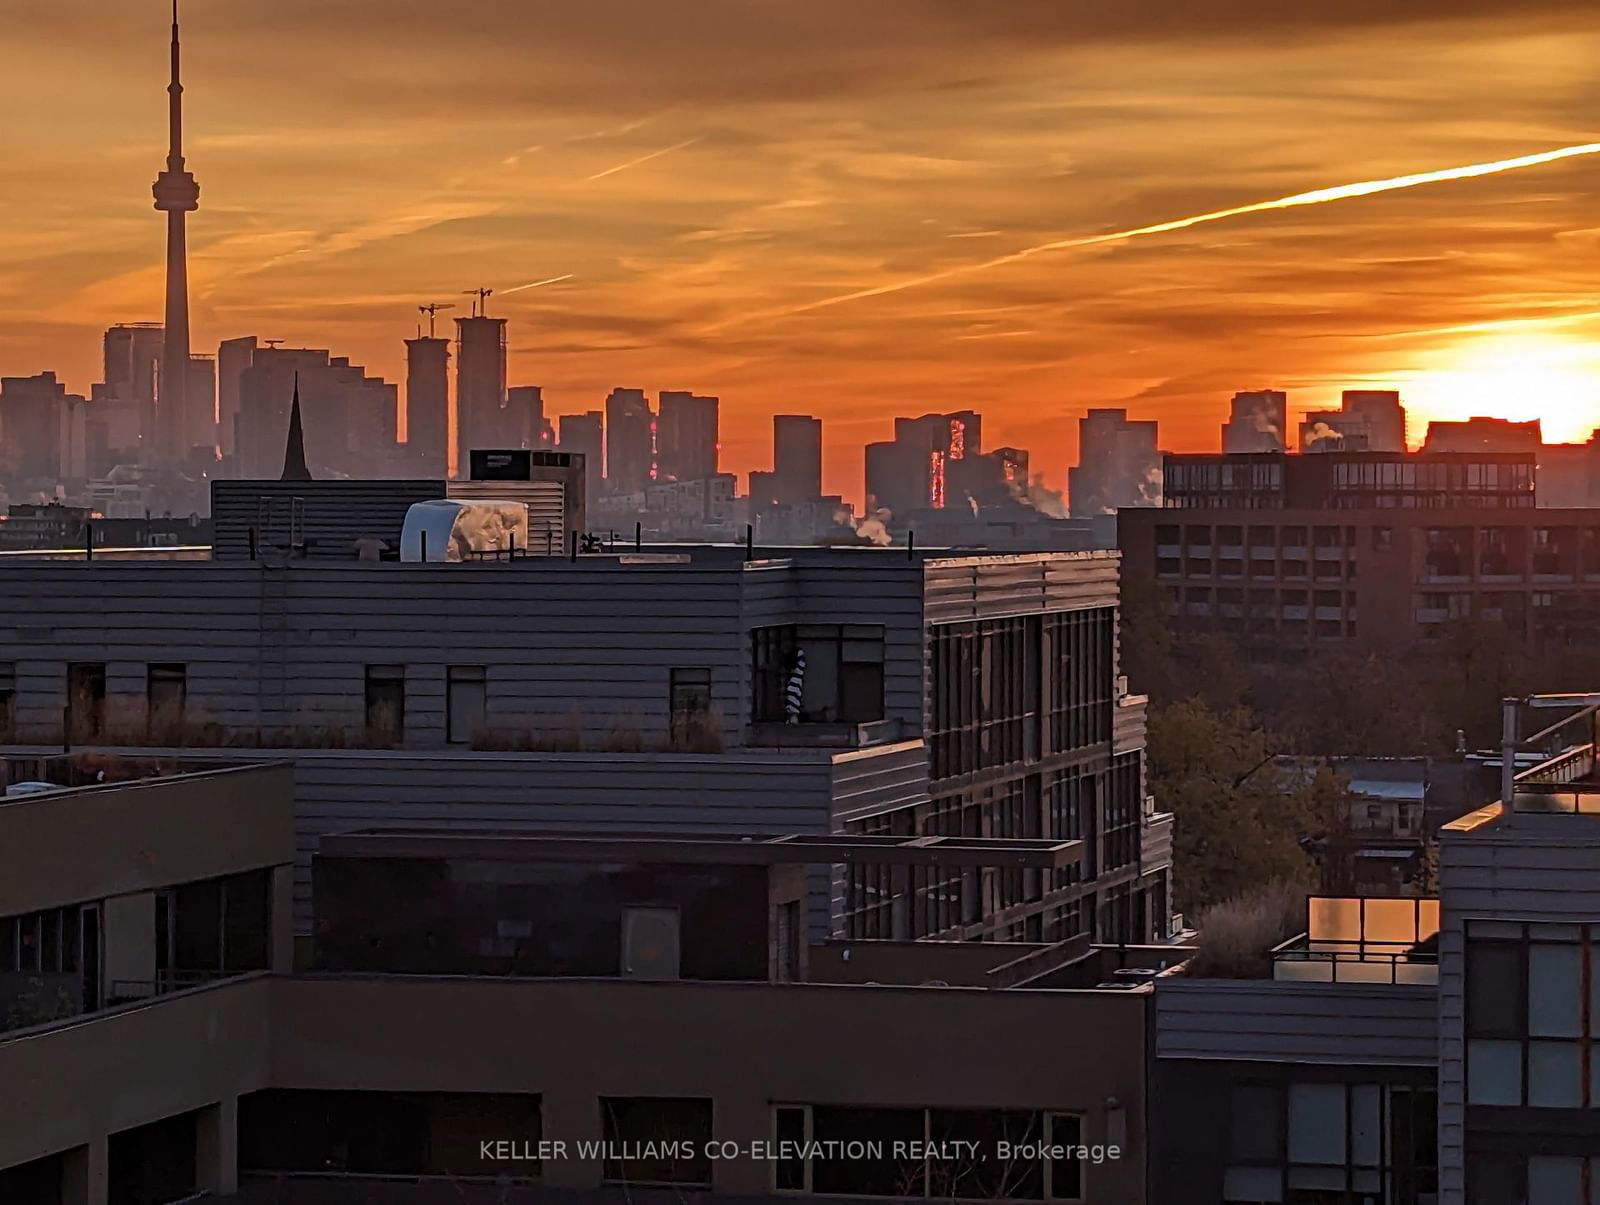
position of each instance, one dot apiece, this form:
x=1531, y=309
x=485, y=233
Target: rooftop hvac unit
x=650, y=947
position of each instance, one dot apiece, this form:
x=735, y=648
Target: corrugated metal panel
x=1128, y=723
x=333, y=514
x=883, y=779
x=1156, y=843
x=997, y=586
x=1265, y=1020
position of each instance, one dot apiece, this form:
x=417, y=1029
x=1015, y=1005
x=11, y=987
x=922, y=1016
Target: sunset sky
x=706, y=173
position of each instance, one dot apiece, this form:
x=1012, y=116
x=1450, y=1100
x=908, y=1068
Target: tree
x=1237, y=826
x=1168, y=663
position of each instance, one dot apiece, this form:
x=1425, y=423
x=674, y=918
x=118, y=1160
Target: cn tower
x=176, y=194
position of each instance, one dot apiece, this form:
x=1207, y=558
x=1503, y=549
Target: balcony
x=771, y=734
x=1363, y=941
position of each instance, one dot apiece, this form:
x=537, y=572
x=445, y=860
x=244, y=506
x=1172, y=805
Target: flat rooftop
x=514, y=845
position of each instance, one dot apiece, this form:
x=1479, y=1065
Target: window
x=166, y=695
x=689, y=697
x=835, y=669
x=8, y=702
x=897, y=1152
x=466, y=702
x=386, y=704
x=213, y=927
x=986, y=687
x=791, y=936
x=658, y=1139
x=1330, y=1141
x=86, y=701
x=1533, y=1015
x=410, y=1134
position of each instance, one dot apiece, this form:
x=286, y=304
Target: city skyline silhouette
x=635, y=237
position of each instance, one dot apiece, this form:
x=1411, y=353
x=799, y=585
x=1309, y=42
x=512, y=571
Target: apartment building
x=1287, y=554
x=861, y=691
x=138, y=902
x=669, y=1033
x=1430, y=1051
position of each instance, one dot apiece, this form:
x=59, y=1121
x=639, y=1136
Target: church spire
x=294, y=451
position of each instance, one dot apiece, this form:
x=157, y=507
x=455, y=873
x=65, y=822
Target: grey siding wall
x=1534, y=868
x=334, y=513
x=1265, y=1020
x=760, y=794
x=890, y=594
x=288, y=648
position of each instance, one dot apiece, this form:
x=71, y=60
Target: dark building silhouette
x=349, y=416
x=1368, y=420
x=932, y=462
x=1294, y=553
x=176, y=195
x=233, y=357
x=630, y=442
x=686, y=434
x=36, y=420
x=199, y=429
x=522, y=423
x=584, y=434
x=126, y=402
x=796, y=458
x=1118, y=464
x=1483, y=435
x=428, y=403
x=480, y=384
x=1258, y=421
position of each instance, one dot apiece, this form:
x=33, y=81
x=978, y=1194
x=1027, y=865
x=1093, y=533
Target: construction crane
x=432, y=308
x=480, y=307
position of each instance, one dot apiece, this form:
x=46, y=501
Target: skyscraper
x=177, y=195
x=36, y=420
x=1369, y=420
x=1257, y=422
x=522, y=422
x=233, y=357
x=630, y=442
x=1118, y=464
x=585, y=435
x=480, y=384
x=199, y=428
x=686, y=434
x=126, y=405
x=428, y=403
x=796, y=458
x=934, y=461
x=349, y=417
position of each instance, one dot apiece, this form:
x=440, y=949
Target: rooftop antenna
x=432, y=308
x=480, y=307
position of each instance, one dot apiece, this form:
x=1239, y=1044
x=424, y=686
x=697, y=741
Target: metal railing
x=1309, y=961
x=126, y=991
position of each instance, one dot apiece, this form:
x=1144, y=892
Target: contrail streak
x=1315, y=197
x=536, y=283
x=622, y=167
